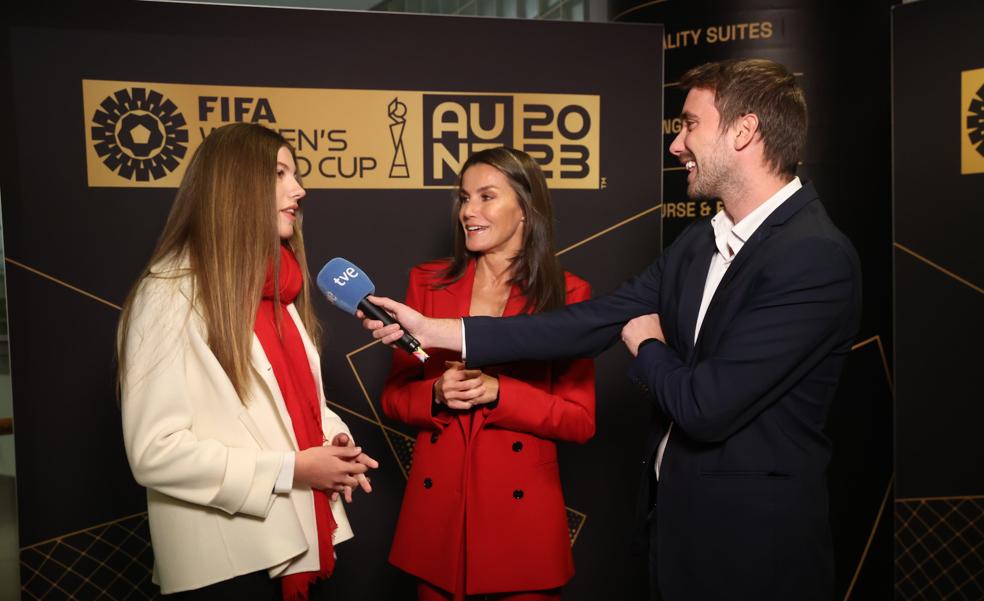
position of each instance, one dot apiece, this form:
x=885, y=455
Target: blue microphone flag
x=344, y=284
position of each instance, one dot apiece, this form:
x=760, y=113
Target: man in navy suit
x=739, y=332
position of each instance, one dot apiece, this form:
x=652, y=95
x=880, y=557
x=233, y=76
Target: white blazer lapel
x=265, y=372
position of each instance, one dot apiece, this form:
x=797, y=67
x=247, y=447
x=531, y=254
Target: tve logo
x=344, y=277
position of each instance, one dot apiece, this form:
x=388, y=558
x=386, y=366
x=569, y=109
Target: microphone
x=346, y=286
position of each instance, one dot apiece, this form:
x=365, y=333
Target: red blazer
x=503, y=469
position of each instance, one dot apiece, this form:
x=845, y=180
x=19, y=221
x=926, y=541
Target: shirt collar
x=730, y=237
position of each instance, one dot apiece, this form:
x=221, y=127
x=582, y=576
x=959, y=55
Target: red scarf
x=285, y=350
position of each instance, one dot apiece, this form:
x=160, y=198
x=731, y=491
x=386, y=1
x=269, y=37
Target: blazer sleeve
x=162, y=449
x=566, y=412
x=803, y=308
x=332, y=425
x=408, y=395
x=583, y=329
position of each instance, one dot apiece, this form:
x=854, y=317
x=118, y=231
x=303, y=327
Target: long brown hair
x=224, y=224
x=535, y=269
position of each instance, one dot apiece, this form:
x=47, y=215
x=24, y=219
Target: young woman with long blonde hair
x=224, y=415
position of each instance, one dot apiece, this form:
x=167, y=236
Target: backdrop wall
x=103, y=105
x=938, y=115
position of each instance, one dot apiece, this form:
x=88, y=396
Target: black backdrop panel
x=841, y=60
x=938, y=116
x=939, y=276
x=73, y=250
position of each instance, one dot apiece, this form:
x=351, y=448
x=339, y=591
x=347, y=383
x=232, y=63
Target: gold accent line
x=971, y=578
x=67, y=534
x=49, y=556
x=70, y=569
x=97, y=560
x=871, y=537
x=57, y=584
x=120, y=575
x=881, y=349
x=584, y=518
x=864, y=342
x=905, y=525
x=352, y=412
x=635, y=8
x=610, y=228
x=362, y=348
x=379, y=422
x=940, y=268
x=940, y=519
x=54, y=586
x=925, y=499
x=959, y=535
x=368, y=419
x=65, y=284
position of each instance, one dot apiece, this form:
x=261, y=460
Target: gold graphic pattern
x=115, y=561
x=938, y=548
x=108, y=561
x=62, y=283
x=401, y=445
x=575, y=521
x=877, y=341
x=940, y=268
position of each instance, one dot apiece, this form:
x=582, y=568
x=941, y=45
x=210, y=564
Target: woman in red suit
x=483, y=512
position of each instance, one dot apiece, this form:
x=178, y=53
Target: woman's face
x=490, y=213
x=289, y=193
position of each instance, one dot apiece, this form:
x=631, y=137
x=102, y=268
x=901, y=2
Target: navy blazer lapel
x=783, y=212
x=693, y=288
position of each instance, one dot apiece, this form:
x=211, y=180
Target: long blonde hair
x=224, y=221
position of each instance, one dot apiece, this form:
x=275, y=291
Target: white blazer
x=209, y=463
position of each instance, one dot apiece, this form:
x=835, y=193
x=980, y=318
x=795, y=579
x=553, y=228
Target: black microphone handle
x=407, y=342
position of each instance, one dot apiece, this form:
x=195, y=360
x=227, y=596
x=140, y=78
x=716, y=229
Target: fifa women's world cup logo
x=139, y=134
x=972, y=121
x=398, y=117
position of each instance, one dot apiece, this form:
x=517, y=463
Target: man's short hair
x=762, y=87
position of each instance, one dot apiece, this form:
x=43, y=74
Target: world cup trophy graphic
x=398, y=114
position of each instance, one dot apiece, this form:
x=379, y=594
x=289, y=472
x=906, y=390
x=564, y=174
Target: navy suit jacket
x=741, y=507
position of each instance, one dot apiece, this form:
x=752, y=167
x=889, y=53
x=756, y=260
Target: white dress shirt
x=729, y=237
